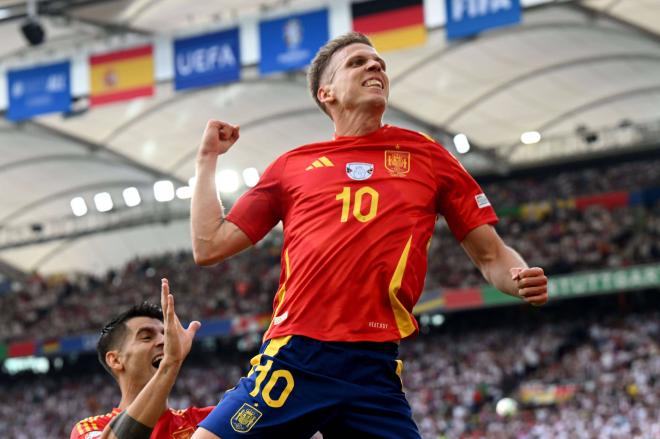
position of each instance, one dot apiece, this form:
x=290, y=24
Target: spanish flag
x=391, y=24
x=122, y=75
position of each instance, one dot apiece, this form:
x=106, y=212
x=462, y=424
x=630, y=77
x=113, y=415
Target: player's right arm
x=213, y=238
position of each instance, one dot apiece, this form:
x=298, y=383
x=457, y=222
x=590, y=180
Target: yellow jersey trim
x=402, y=317
x=282, y=291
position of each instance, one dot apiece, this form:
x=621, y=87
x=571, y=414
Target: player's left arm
x=503, y=267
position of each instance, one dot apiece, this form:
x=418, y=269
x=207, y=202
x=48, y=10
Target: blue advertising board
x=208, y=59
x=469, y=17
x=290, y=43
x=38, y=90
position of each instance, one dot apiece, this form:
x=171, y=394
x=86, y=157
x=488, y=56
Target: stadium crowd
x=560, y=239
x=453, y=377
x=612, y=363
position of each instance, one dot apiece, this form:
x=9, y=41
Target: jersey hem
x=322, y=337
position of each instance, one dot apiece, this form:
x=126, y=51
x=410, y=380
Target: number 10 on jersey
x=358, y=200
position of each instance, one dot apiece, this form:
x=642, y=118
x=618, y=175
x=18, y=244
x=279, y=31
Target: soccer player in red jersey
x=358, y=213
x=143, y=349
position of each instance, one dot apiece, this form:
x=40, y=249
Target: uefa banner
x=291, y=43
x=469, y=17
x=208, y=59
x=39, y=90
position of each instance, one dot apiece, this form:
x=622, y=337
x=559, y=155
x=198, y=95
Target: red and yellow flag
x=122, y=75
x=391, y=24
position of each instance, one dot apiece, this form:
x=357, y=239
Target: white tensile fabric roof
x=594, y=64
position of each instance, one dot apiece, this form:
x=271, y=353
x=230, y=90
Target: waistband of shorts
x=387, y=347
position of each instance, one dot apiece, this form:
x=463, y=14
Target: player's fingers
x=515, y=272
x=164, y=291
x=531, y=272
x=213, y=128
x=215, y=124
x=174, y=319
x=532, y=281
x=532, y=291
x=170, y=316
x=193, y=327
x=537, y=300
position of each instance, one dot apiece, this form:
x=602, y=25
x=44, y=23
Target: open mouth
x=373, y=82
x=156, y=361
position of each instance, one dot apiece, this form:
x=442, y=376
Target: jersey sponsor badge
x=397, y=162
x=93, y=434
x=245, y=418
x=482, y=201
x=279, y=319
x=359, y=171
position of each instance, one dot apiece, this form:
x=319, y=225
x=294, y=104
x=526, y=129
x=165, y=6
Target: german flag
x=122, y=75
x=391, y=24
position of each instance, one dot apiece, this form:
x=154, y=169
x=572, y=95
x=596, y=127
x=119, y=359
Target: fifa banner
x=122, y=75
x=208, y=59
x=291, y=43
x=469, y=17
x=391, y=24
x=39, y=90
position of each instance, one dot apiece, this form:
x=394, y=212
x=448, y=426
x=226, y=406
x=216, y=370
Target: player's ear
x=325, y=94
x=113, y=361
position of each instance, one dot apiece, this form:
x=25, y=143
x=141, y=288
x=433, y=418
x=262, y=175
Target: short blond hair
x=323, y=57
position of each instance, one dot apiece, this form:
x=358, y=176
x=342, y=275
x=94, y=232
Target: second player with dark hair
x=143, y=349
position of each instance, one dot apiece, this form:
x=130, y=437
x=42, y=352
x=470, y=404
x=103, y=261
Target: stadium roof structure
x=593, y=64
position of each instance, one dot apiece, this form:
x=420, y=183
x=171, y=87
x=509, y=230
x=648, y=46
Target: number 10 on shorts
x=281, y=374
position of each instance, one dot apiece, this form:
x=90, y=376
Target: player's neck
x=356, y=124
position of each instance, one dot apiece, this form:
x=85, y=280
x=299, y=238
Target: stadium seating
x=577, y=373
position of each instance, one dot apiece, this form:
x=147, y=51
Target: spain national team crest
x=183, y=434
x=397, y=162
x=359, y=171
x=245, y=418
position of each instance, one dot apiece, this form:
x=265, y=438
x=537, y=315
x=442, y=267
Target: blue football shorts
x=298, y=386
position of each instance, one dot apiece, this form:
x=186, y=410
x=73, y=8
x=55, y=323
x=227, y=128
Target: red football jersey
x=358, y=214
x=173, y=424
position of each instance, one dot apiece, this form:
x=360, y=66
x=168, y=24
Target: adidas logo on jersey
x=322, y=162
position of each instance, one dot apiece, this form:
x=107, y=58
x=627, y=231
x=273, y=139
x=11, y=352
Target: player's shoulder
x=193, y=413
x=308, y=148
x=419, y=136
x=92, y=426
x=189, y=410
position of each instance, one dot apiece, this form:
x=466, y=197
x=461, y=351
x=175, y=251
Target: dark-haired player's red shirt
x=173, y=424
x=358, y=215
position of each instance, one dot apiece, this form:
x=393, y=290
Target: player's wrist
x=207, y=156
x=170, y=362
